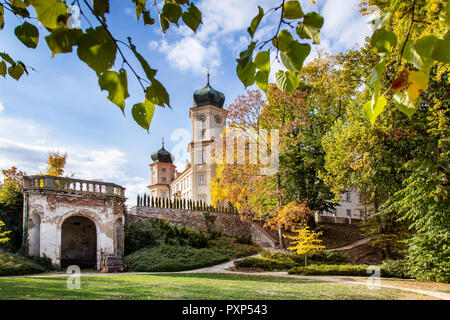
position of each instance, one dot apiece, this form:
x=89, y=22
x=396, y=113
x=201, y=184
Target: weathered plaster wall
x=53, y=208
x=227, y=223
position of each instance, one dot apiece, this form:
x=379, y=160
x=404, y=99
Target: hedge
x=12, y=264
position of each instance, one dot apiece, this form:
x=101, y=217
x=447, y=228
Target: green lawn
x=191, y=286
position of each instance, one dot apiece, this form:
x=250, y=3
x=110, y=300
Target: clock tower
x=208, y=121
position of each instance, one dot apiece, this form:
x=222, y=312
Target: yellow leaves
x=3, y=234
x=417, y=83
x=56, y=163
x=306, y=241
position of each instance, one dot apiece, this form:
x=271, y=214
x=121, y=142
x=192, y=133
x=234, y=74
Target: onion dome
x=162, y=155
x=208, y=96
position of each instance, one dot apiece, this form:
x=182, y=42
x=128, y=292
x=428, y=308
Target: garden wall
x=228, y=223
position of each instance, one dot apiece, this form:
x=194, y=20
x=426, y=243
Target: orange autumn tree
x=240, y=182
x=291, y=216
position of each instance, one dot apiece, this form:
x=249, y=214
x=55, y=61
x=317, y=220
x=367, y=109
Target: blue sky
x=60, y=106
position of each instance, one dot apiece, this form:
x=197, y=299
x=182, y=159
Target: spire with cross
x=208, y=73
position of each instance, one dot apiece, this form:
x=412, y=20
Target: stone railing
x=72, y=185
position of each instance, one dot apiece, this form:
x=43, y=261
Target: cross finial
x=208, y=72
x=162, y=141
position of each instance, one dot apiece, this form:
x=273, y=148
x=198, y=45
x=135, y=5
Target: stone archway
x=78, y=242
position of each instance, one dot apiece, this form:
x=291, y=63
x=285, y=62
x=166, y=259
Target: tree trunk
x=306, y=260
x=280, y=233
x=280, y=238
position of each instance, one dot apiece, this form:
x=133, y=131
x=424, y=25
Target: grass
x=192, y=286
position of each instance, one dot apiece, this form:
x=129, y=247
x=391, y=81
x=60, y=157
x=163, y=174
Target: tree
x=306, y=241
x=410, y=38
x=3, y=234
x=11, y=186
x=56, y=164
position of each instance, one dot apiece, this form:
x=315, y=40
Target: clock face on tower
x=201, y=117
x=218, y=118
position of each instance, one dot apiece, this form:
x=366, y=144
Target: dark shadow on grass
x=239, y=277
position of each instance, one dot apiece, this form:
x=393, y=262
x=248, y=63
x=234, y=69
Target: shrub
x=244, y=239
x=263, y=263
x=229, y=247
x=168, y=258
x=335, y=270
x=396, y=268
x=151, y=233
x=16, y=264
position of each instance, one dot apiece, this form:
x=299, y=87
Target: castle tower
x=208, y=121
x=162, y=173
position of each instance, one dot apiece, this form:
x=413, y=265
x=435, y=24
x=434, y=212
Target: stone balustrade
x=43, y=182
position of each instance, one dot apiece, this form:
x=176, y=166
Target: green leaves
x=49, y=11
x=63, y=39
x=2, y=17
x=383, y=41
x=97, y=49
x=28, y=34
x=373, y=108
x=246, y=68
x=255, y=22
x=310, y=27
x=287, y=80
x=297, y=53
x=292, y=10
x=143, y=113
x=262, y=62
x=101, y=7
x=193, y=17
x=283, y=40
x=16, y=71
x=404, y=105
x=171, y=11
x=116, y=85
x=2, y=68
x=157, y=94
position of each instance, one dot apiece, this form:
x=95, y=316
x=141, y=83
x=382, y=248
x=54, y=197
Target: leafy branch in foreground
x=409, y=43
x=96, y=45
x=287, y=47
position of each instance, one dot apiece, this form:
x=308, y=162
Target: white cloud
x=153, y=45
x=2, y=108
x=25, y=144
x=222, y=21
x=190, y=54
x=344, y=25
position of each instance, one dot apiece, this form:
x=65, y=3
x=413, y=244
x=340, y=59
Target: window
x=163, y=169
x=201, y=157
x=201, y=178
x=202, y=197
x=163, y=195
x=349, y=213
x=164, y=179
x=203, y=134
x=360, y=198
x=348, y=196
